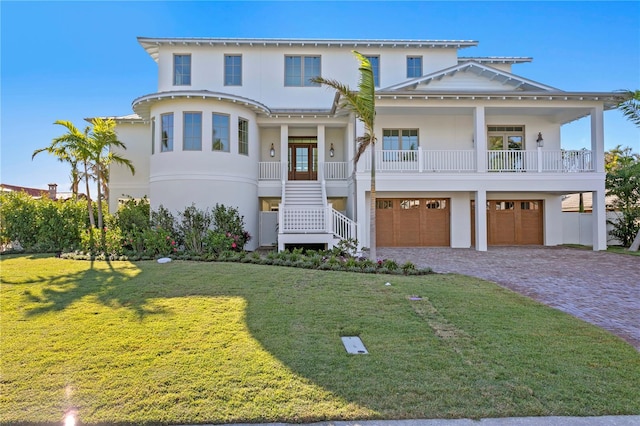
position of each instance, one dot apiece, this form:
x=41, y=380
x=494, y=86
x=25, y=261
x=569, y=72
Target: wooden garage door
x=512, y=222
x=413, y=222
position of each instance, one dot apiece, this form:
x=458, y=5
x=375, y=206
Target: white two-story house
x=468, y=153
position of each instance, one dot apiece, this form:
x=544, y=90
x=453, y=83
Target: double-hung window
x=396, y=140
x=166, y=128
x=375, y=67
x=232, y=70
x=153, y=135
x=299, y=70
x=414, y=66
x=220, y=136
x=192, y=131
x=181, y=70
x=243, y=136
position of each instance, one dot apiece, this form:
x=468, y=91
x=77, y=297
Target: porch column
x=597, y=138
x=359, y=131
x=599, y=220
x=480, y=140
x=481, y=220
x=284, y=151
x=321, y=144
x=350, y=136
x=362, y=218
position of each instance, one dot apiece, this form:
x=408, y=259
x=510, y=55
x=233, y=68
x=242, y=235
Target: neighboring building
x=52, y=192
x=237, y=122
x=571, y=203
x=32, y=192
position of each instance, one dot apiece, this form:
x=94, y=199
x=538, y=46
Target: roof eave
x=152, y=45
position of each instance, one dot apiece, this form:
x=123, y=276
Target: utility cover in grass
x=354, y=345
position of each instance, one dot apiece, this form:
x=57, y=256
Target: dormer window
x=414, y=66
x=181, y=70
x=232, y=70
x=299, y=70
x=375, y=67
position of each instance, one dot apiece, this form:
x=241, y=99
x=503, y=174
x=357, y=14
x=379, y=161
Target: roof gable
x=471, y=76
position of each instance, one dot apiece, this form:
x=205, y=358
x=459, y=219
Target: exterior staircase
x=306, y=217
x=304, y=194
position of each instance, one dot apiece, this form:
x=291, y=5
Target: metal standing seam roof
x=477, y=68
x=495, y=59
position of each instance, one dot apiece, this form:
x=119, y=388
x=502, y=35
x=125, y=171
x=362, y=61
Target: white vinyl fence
x=576, y=228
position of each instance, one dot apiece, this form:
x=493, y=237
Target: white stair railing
x=343, y=227
x=303, y=221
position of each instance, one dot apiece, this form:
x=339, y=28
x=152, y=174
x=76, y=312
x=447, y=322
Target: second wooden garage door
x=415, y=222
x=517, y=222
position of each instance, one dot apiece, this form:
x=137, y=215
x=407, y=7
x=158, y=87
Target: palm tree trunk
x=92, y=221
x=103, y=234
x=581, y=204
x=372, y=212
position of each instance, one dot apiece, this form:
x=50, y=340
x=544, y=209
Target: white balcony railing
x=422, y=161
x=567, y=161
x=512, y=161
x=336, y=170
x=453, y=161
x=269, y=170
x=449, y=161
x=557, y=161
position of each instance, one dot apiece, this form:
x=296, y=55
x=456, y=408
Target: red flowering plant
x=228, y=233
x=159, y=241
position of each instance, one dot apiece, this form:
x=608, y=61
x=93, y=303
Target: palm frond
x=630, y=106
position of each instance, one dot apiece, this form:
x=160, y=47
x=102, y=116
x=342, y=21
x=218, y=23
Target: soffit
x=142, y=105
x=152, y=45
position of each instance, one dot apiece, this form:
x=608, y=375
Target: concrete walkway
x=599, y=287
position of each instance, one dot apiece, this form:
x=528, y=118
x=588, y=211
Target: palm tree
x=362, y=104
x=630, y=105
x=102, y=139
x=72, y=147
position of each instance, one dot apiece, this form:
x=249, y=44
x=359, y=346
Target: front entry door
x=303, y=161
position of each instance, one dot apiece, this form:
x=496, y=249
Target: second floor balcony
x=450, y=161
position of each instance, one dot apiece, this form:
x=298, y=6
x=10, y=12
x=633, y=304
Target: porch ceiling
x=556, y=114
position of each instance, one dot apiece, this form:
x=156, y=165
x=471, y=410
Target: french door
x=303, y=160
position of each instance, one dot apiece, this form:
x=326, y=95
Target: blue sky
x=71, y=60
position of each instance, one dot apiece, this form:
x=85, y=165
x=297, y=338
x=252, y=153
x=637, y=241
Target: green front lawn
x=189, y=342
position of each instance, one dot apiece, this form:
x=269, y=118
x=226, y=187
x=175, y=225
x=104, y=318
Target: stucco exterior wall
x=263, y=70
x=179, y=178
x=122, y=184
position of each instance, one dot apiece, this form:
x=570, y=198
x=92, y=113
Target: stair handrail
x=283, y=179
x=343, y=227
x=323, y=185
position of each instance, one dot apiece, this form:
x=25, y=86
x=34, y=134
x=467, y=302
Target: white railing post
x=420, y=166
x=328, y=219
x=539, y=159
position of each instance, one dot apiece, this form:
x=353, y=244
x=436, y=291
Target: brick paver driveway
x=599, y=287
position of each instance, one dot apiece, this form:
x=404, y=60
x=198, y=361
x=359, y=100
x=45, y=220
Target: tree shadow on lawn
x=110, y=286
x=299, y=315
